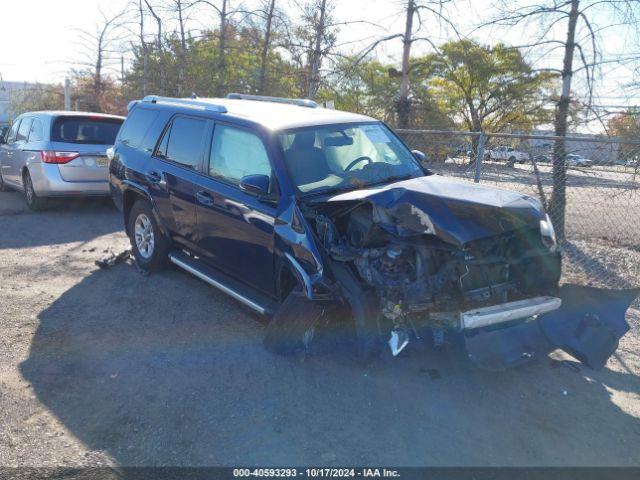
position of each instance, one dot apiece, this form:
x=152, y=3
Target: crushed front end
x=485, y=270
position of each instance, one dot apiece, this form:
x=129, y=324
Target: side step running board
x=221, y=281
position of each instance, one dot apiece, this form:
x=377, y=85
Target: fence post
x=479, y=156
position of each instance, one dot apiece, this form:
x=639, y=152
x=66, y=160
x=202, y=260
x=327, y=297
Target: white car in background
x=508, y=154
x=574, y=160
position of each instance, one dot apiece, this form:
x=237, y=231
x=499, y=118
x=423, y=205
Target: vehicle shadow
x=90, y=217
x=163, y=370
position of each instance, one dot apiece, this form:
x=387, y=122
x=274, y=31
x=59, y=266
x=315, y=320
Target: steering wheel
x=357, y=161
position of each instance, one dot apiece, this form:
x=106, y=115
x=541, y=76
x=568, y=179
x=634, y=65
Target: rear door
x=17, y=154
x=235, y=229
x=89, y=137
x=7, y=153
x=172, y=175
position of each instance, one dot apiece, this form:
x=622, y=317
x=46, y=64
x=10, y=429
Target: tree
x=412, y=9
x=34, y=98
x=160, y=46
x=488, y=88
x=311, y=42
x=100, y=48
x=269, y=14
x=626, y=125
x=577, y=14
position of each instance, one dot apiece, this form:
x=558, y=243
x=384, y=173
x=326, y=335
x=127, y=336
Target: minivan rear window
x=82, y=129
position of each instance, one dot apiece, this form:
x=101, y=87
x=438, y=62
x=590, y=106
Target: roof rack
x=301, y=102
x=185, y=102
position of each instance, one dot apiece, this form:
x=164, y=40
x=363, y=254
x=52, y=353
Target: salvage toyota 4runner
x=324, y=221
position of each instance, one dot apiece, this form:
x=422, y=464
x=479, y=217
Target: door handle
x=157, y=178
x=204, y=198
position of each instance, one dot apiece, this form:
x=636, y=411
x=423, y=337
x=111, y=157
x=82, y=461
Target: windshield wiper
x=393, y=178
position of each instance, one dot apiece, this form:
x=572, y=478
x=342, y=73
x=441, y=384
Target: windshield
x=345, y=157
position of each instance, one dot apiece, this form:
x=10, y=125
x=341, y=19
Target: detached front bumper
x=588, y=326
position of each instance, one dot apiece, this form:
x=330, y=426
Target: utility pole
x=67, y=94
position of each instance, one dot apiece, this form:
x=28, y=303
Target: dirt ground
x=108, y=367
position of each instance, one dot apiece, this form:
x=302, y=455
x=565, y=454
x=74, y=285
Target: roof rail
x=185, y=102
x=301, y=102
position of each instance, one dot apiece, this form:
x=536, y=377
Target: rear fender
x=130, y=187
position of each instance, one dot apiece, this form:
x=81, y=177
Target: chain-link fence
x=602, y=245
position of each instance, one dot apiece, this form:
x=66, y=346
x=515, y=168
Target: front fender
x=297, y=250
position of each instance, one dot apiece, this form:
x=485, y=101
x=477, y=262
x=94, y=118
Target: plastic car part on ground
x=588, y=326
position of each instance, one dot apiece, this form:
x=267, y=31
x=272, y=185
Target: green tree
x=488, y=88
x=34, y=98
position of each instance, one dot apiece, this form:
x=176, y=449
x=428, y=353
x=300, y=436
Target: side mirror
x=257, y=185
x=420, y=156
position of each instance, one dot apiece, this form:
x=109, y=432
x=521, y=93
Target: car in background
x=508, y=154
x=543, y=158
x=574, y=160
x=54, y=154
x=4, y=128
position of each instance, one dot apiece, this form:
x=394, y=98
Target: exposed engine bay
x=429, y=257
x=424, y=282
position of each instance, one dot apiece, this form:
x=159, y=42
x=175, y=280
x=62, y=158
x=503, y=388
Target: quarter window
x=23, y=131
x=36, y=133
x=136, y=126
x=182, y=143
x=236, y=153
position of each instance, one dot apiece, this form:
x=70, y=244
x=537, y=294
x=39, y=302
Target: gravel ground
x=107, y=367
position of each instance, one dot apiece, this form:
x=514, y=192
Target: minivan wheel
x=149, y=245
x=34, y=202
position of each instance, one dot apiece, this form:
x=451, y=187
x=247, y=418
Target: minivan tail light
x=51, y=156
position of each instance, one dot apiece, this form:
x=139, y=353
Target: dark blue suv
x=319, y=218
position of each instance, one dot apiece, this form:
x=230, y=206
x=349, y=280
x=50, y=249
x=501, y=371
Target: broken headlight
x=548, y=234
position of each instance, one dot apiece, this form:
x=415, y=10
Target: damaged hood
x=455, y=211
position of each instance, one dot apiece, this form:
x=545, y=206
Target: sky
x=53, y=47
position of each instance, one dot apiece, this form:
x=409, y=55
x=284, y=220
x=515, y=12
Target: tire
x=149, y=245
x=293, y=326
x=34, y=202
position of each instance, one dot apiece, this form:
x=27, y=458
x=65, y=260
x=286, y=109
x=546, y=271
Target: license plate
x=102, y=161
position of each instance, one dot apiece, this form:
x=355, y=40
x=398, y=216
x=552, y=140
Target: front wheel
x=149, y=245
x=34, y=202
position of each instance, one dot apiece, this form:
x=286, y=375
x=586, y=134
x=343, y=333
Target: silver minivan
x=53, y=154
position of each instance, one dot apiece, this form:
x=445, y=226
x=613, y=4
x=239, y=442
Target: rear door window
x=85, y=130
x=13, y=133
x=182, y=142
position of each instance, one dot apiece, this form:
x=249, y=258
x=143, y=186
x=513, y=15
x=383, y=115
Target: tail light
x=51, y=156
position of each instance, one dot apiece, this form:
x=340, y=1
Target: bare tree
x=180, y=8
x=315, y=60
x=145, y=49
x=576, y=13
x=404, y=105
x=411, y=10
x=266, y=45
x=100, y=48
x=160, y=44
